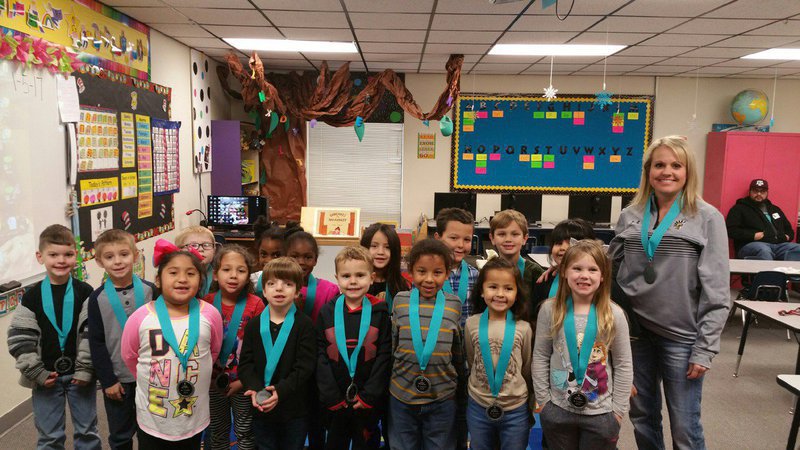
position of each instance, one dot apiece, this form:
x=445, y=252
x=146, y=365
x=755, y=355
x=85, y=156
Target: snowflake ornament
x=692, y=124
x=550, y=92
x=602, y=98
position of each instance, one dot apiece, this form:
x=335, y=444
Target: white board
x=33, y=177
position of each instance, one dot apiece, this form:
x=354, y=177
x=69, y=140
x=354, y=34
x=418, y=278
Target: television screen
x=235, y=212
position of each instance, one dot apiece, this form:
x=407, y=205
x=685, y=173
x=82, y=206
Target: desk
x=792, y=384
x=752, y=266
x=540, y=258
x=769, y=311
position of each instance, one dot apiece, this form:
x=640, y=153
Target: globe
x=749, y=107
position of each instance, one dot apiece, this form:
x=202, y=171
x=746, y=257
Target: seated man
x=760, y=229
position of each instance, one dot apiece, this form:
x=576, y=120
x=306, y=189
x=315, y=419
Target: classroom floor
x=748, y=412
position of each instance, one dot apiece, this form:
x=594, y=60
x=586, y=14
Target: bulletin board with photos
x=127, y=156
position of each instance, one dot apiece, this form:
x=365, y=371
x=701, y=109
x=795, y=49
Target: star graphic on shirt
x=183, y=406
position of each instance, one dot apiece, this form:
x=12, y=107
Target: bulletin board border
x=495, y=97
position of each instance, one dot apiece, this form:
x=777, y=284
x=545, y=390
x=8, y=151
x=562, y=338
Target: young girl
x=428, y=369
x=384, y=246
x=277, y=361
x=582, y=370
x=202, y=240
x=498, y=345
x=268, y=245
x=231, y=294
x=171, y=345
x=302, y=247
x=563, y=233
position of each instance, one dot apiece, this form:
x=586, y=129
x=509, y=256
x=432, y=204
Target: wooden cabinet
x=735, y=158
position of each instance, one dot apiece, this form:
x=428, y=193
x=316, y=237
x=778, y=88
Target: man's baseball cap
x=759, y=184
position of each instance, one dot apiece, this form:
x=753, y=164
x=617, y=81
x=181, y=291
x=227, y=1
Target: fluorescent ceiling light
x=288, y=45
x=776, y=53
x=555, y=50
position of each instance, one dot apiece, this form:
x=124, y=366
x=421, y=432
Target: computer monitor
x=235, y=212
x=530, y=205
x=463, y=200
x=594, y=208
x=626, y=199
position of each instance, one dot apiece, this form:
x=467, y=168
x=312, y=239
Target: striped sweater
x=445, y=370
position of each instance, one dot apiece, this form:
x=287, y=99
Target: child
x=171, y=345
x=277, y=361
x=498, y=346
x=200, y=239
x=582, y=370
x=428, y=370
x=268, y=245
x=109, y=307
x=352, y=384
x=454, y=228
x=48, y=338
x=561, y=236
x=232, y=296
x=302, y=247
x=508, y=231
x=384, y=246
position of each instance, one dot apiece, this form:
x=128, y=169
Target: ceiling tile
x=510, y=59
x=720, y=52
x=750, y=63
x=536, y=37
x=685, y=40
x=215, y=16
x=300, y=5
x=232, y=4
x=551, y=23
x=396, y=66
x=318, y=34
x=125, y=3
x=230, y=31
x=150, y=15
x=308, y=20
x=672, y=8
x=719, y=70
x=758, y=10
x=772, y=70
x=471, y=22
x=785, y=64
x=477, y=7
x=177, y=30
x=613, y=38
x=467, y=49
x=213, y=51
x=386, y=6
x=782, y=28
x=637, y=24
x=581, y=8
x=391, y=57
x=281, y=56
x=378, y=47
x=633, y=59
x=718, y=26
x=204, y=42
x=441, y=59
x=756, y=41
x=642, y=50
x=693, y=62
x=390, y=35
x=749, y=76
x=382, y=20
x=465, y=37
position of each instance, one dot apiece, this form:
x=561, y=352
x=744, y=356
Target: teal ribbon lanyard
x=207, y=284
x=521, y=266
x=496, y=374
x=169, y=333
x=274, y=351
x=233, y=325
x=424, y=350
x=116, y=303
x=387, y=297
x=67, y=310
x=311, y=295
x=463, y=283
x=580, y=360
x=650, y=244
x=341, y=338
x=259, y=290
x=553, y=287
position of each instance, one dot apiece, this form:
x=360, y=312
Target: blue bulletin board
x=514, y=143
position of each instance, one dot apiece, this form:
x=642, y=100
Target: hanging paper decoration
x=262, y=97
x=312, y=123
x=446, y=126
x=548, y=3
x=359, y=127
x=450, y=101
x=426, y=122
x=603, y=98
x=273, y=123
x=38, y=53
x=286, y=123
x=550, y=91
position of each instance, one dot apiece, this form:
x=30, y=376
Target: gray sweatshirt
x=690, y=299
x=609, y=374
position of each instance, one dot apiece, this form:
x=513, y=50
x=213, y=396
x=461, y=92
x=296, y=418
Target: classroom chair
x=769, y=286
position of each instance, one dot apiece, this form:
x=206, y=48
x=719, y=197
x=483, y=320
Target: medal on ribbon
x=423, y=349
x=351, y=360
x=495, y=374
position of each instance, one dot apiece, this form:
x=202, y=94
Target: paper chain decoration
x=38, y=53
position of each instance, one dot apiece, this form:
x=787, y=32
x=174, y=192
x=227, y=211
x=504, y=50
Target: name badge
x=776, y=216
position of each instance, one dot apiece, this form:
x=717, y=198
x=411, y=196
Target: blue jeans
x=785, y=251
x=49, y=414
x=659, y=360
x=422, y=427
x=121, y=415
x=287, y=435
x=512, y=430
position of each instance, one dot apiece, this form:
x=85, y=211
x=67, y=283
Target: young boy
x=353, y=390
x=508, y=232
x=47, y=337
x=454, y=227
x=202, y=240
x=109, y=307
x=280, y=398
